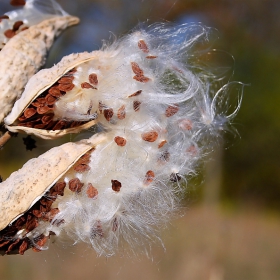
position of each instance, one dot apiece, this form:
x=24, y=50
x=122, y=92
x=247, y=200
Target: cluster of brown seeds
x=39, y=114
x=12, y=243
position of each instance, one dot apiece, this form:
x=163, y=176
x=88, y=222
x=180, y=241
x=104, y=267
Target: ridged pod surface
x=25, y=52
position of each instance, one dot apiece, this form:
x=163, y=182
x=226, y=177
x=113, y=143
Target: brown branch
x=5, y=138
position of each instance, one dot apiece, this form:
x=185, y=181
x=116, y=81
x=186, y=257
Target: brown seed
x=12, y=246
x=150, y=136
x=149, y=177
x=31, y=224
x=9, y=33
x=136, y=93
x=151, y=56
x=54, y=91
x=40, y=125
x=60, y=125
x=4, y=17
x=17, y=2
x=59, y=188
x=51, y=214
x=50, y=99
x=85, y=159
x=17, y=25
x=47, y=118
x=75, y=185
x=171, y=110
x=136, y=69
x=92, y=192
x=43, y=109
x=185, y=124
x=143, y=46
x=42, y=241
x=108, y=114
x=93, y=79
x=136, y=105
x=29, y=112
x=162, y=143
x=141, y=79
x=120, y=141
x=24, y=28
x=87, y=85
x=66, y=87
x=82, y=168
x=116, y=185
x=66, y=80
x=121, y=112
x=23, y=247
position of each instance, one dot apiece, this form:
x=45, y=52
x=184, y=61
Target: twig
x=5, y=138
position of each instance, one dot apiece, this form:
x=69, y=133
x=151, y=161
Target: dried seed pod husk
x=38, y=84
x=24, y=54
x=27, y=185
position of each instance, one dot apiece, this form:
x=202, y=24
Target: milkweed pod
x=34, y=114
x=26, y=36
x=27, y=185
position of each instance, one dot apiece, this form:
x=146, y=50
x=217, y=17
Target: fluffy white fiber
x=158, y=114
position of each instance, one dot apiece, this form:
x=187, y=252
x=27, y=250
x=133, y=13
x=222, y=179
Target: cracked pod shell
x=27, y=185
x=39, y=84
x=24, y=55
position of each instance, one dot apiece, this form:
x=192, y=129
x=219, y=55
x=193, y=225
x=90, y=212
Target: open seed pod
x=27, y=195
x=24, y=50
x=33, y=112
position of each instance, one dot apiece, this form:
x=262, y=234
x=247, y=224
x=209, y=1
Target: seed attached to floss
x=143, y=46
x=136, y=93
x=17, y=3
x=87, y=85
x=116, y=185
x=92, y=192
x=136, y=105
x=121, y=113
x=149, y=177
x=75, y=185
x=93, y=79
x=108, y=114
x=120, y=141
x=171, y=110
x=185, y=124
x=162, y=143
x=139, y=73
x=150, y=136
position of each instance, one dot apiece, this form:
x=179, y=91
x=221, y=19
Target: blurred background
x=230, y=228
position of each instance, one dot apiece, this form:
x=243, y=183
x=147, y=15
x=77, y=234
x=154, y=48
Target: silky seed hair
x=158, y=116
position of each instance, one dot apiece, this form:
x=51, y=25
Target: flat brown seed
x=17, y=2
x=43, y=109
x=136, y=69
x=136, y=105
x=149, y=177
x=59, y=188
x=4, y=17
x=40, y=125
x=87, y=85
x=93, y=79
x=141, y=78
x=66, y=80
x=29, y=112
x=59, y=125
x=116, y=185
x=66, y=87
x=120, y=141
x=50, y=99
x=171, y=110
x=108, y=114
x=54, y=91
x=151, y=56
x=9, y=33
x=92, y=192
x=82, y=168
x=143, y=46
x=162, y=143
x=23, y=247
x=42, y=241
x=150, y=136
x=136, y=93
x=17, y=25
x=47, y=118
x=75, y=185
x=121, y=113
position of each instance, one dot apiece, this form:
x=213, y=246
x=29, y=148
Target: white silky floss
x=151, y=107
